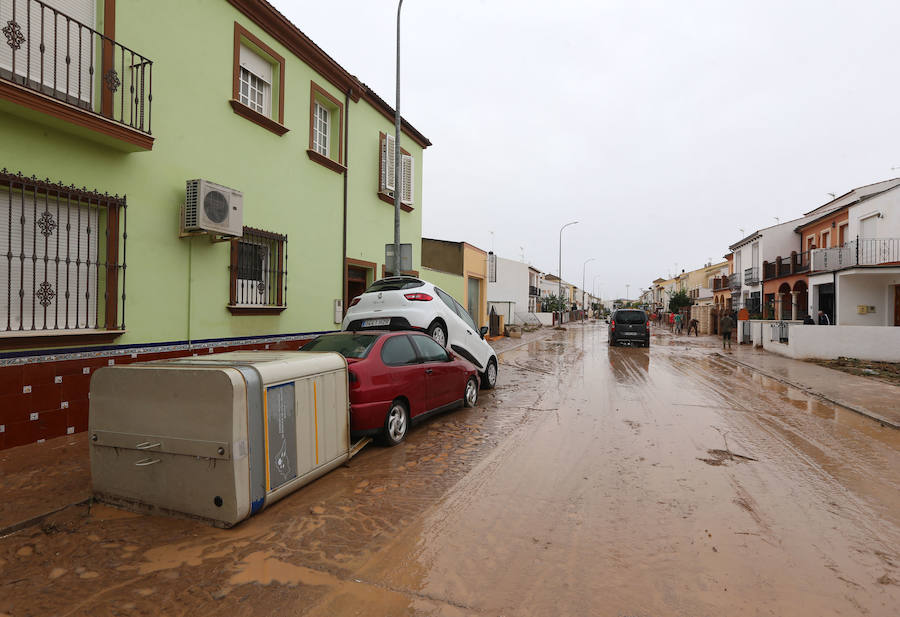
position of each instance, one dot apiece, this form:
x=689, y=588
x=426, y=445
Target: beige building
x=461, y=259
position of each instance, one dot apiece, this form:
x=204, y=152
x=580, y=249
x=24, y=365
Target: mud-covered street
x=592, y=481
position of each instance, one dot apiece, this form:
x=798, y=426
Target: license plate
x=372, y=323
x=631, y=334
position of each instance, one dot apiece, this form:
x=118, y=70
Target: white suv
x=404, y=302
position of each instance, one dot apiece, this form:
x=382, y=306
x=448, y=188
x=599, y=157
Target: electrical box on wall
x=862, y=309
x=338, y=311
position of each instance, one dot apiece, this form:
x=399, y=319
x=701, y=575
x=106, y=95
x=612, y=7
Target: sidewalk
x=870, y=397
x=507, y=343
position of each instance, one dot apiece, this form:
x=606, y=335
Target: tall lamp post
x=594, y=289
x=398, y=175
x=560, y=255
x=583, y=270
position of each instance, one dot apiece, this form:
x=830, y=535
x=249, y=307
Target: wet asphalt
x=592, y=481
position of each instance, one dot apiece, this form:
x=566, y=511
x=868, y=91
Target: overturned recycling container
x=218, y=437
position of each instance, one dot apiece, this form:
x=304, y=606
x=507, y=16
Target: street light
x=560, y=252
x=397, y=171
x=583, y=270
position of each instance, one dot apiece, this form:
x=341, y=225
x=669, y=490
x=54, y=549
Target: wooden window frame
x=280, y=269
x=276, y=126
x=381, y=191
x=318, y=94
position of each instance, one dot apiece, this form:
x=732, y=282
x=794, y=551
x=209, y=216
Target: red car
x=397, y=378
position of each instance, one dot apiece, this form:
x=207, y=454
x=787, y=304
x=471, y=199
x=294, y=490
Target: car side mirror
x=483, y=331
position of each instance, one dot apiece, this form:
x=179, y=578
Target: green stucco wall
x=199, y=136
x=453, y=284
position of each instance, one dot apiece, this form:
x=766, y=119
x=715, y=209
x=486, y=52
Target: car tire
x=470, y=394
x=396, y=424
x=439, y=333
x=489, y=376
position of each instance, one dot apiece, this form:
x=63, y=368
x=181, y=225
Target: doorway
x=473, y=299
x=357, y=279
x=826, y=300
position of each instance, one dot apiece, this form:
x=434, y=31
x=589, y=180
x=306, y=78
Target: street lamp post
x=560, y=254
x=398, y=175
x=583, y=270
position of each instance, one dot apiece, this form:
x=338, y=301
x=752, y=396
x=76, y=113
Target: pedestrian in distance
x=695, y=326
x=808, y=321
x=678, y=323
x=672, y=322
x=725, y=327
x=823, y=318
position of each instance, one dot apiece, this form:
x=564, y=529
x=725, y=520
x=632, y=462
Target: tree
x=678, y=301
x=553, y=303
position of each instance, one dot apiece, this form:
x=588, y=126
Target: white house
x=509, y=289
x=864, y=272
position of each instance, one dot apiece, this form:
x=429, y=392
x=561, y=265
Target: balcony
x=533, y=291
x=797, y=263
x=734, y=280
x=69, y=72
x=861, y=252
x=751, y=276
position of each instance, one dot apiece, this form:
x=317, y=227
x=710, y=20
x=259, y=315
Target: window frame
x=274, y=122
x=320, y=97
x=278, y=269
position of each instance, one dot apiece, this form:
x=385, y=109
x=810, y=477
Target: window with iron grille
x=62, y=257
x=258, y=270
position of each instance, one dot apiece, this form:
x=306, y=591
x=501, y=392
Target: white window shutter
x=389, y=180
x=406, y=178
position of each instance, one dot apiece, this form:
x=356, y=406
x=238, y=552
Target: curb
x=34, y=520
x=860, y=410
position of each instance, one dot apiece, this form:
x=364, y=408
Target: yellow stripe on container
x=316, y=419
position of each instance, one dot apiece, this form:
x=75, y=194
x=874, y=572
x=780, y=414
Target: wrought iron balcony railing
x=734, y=280
x=751, y=276
x=859, y=252
x=533, y=291
x=49, y=52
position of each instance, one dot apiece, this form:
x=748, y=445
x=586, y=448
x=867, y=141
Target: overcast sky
x=663, y=127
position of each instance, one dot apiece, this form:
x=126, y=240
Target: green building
x=109, y=253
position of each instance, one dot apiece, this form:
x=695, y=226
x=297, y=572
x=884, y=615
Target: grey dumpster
x=217, y=437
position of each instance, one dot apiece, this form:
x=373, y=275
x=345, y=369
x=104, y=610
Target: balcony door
x=63, y=29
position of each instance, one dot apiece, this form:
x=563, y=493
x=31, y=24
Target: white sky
x=664, y=127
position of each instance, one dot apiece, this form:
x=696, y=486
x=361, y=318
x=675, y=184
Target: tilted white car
x=405, y=302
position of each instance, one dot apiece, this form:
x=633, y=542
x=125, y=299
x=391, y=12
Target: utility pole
x=560, y=254
x=398, y=172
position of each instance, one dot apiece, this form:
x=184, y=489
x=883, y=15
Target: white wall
x=831, y=342
x=870, y=289
x=511, y=286
x=888, y=205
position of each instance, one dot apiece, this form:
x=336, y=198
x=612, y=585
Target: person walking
x=672, y=322
x=679, y=320
x=725, y=327
x=695, y=326
x=823, y=318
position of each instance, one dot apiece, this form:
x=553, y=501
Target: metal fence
x=47, y=51
x=751, y=276
x=779, y=331
x=859, y=252
x=63, y=249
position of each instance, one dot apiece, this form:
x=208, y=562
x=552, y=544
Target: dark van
x=629, y=326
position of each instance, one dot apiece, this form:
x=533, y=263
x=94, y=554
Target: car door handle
x=429, y=371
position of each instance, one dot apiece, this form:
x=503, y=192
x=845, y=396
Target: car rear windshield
x=630, y=316
x=394, y=285
x=349, y=345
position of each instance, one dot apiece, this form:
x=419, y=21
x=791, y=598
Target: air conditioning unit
x=213, y=207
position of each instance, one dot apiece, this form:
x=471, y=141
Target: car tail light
x=355, y=301
x=418, y=297
x=612, y=325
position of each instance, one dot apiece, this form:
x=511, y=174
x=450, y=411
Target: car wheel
x=396, y=424
x=470, y=396
x=489, y=377
x=438, y=333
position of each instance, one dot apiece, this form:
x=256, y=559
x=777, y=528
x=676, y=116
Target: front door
x=356, y=284
x=897, y=305
x=826, y=301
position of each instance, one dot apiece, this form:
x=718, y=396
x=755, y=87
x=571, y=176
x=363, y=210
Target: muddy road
x=593, y=481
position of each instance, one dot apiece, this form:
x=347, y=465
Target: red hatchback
x=397, y=378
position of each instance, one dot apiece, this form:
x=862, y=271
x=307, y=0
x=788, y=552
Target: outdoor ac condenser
x=213, y=207
x=217, y=437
